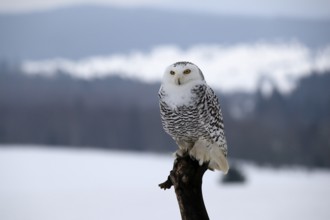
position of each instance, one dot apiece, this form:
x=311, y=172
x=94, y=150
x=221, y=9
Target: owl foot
x=200, y=153
x=180, y=153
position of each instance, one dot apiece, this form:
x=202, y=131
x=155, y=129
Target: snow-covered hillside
x=66, y=184
x=241, y=67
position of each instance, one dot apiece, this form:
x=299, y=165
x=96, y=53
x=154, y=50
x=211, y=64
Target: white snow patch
x=59, y=184
x=228, y=68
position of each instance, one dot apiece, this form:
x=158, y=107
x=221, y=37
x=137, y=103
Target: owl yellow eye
x=187, y=71
x=172, y=72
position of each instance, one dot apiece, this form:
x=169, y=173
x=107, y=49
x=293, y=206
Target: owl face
x=182, y=73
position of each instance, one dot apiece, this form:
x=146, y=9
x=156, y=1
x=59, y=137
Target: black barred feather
x=202, y=118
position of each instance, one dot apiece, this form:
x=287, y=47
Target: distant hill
x=77, y=32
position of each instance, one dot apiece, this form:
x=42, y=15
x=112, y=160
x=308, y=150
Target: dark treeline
x=114, y=113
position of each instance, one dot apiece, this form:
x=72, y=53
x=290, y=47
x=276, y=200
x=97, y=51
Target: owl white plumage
x=191, y=115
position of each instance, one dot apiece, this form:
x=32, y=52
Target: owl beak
x=177, y=81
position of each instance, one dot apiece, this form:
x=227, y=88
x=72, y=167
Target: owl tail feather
x=218, y=160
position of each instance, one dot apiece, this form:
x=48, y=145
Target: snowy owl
x=191, y=115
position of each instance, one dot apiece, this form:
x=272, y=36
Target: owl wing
x=215, y=125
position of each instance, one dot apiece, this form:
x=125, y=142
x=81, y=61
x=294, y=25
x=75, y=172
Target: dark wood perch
x=186, y=177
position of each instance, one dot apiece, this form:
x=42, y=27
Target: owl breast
x=184, y=122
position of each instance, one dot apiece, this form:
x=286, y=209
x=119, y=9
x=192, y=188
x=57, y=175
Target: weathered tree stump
x=186, y=177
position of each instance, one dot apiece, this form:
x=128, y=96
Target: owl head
x=182, y=73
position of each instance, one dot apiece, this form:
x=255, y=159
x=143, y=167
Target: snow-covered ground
x=66, y=184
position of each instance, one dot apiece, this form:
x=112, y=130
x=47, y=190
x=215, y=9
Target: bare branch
x=186, y=177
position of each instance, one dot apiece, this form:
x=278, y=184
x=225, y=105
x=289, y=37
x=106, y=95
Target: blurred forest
x=115, y=113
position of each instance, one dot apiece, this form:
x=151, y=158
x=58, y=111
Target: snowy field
x=60, y=184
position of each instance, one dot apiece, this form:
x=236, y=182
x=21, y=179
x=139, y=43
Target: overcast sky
x=288, y=8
